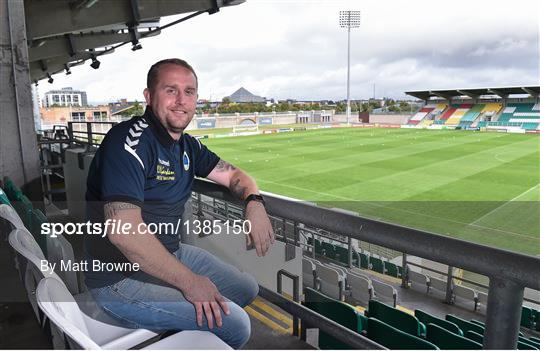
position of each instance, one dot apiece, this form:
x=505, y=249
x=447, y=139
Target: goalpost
x=245, y=129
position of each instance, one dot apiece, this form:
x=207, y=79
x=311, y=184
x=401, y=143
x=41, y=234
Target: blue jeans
x=142, y=301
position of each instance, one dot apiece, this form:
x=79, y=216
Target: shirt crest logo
x=185, y=161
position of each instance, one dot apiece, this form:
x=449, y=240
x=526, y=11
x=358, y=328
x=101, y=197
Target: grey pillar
x=19, y=157
x=503, y=314
x=404, y=271
x=449, y=285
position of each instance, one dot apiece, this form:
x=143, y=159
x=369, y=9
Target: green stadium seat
x=535, y=339
x=318, y=247
x=339, y=312
x=525, y=346
x=391, y=269
x=465, y=325
x=537, y=319
x=4, y=198
x=396, y=318
x=13, y=192
x=483, y=325
x=447, y=340
x=342, y=254
x=529, y=341
x=395, y=339
x=400, y=271
x=427, y=318
x=377, y=264
x=526, y=317
x=329, y=250
x=364, y=260
x=474, y=336
x=355, y=259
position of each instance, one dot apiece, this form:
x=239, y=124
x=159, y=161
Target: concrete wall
x=389, y=119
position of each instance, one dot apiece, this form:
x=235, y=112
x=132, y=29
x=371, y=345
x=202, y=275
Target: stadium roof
x=475, y=93
x=63, y=34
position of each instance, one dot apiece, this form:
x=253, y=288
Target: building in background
x=65, y=97
x=63, y=114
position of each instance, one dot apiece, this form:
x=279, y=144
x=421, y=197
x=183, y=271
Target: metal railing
x=509, y=272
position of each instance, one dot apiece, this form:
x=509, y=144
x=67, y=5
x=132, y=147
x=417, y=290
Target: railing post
x=503, y=314
x=296, y=293
x=314, y=238
x=350, y=252
x=404, y=271
x=449, y=285
x=90, y=134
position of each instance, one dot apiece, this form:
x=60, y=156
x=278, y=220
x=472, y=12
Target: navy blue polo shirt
x=138, y=162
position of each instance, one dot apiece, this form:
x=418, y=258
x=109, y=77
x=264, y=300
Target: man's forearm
x=239, y=183
x=242, y=185
x=145, y=249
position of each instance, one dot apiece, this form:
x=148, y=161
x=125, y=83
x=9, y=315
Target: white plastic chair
x=60, y=306
x=330, y=281
x=9, y=214
x=308, y=273
x=23, y=242
x=361, y=288
x=60, y=250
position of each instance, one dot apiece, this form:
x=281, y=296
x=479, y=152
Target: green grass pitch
x=480, y=187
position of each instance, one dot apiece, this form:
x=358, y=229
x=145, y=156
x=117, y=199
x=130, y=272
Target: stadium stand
x=420, y=115
x=465, y=325
x=394, y=338
x=471, y=115
x=427, y=318
x=525, y=115
x=337, y=311
x=396, y=318
x=447, y=340
x=460, y=111
x=444, y=117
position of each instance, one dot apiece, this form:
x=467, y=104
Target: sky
x=295, y=49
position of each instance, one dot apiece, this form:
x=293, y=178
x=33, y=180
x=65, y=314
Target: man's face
x=174, y=98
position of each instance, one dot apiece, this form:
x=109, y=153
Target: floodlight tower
x=349, y=19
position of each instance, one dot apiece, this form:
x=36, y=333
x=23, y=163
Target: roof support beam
x=469, y=94
x=499, y=93
x=529, y=91
x=443, y=95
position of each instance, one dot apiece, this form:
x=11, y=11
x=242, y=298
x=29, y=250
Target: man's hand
x=262, y=234
x=204, y=295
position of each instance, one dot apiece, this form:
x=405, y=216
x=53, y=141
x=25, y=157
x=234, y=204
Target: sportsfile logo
x=114, y=226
